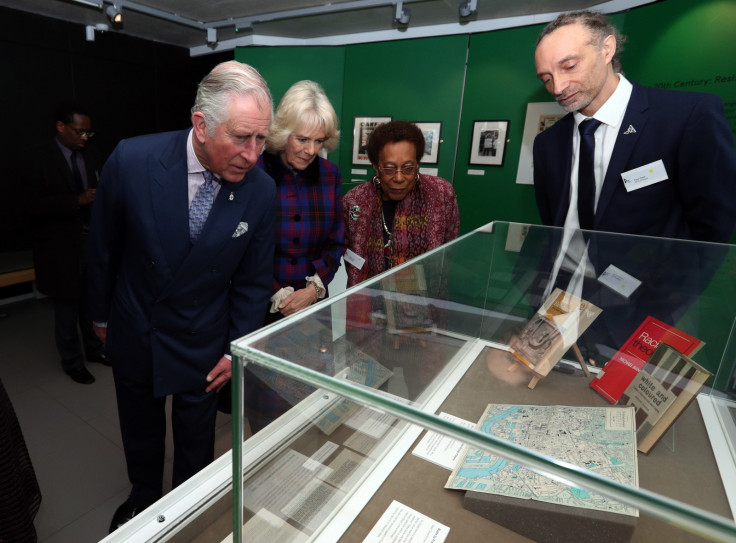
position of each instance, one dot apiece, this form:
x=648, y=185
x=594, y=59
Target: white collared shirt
x=611, y=115
x=573, y=251
x=195, y=171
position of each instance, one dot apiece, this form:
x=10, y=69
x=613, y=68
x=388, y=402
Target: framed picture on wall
x=539, y=117
x=362, y=128
x=488, y=146
x=431, y=131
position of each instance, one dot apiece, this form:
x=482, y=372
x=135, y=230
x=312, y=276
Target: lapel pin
x=231, y=197
x=630, y=130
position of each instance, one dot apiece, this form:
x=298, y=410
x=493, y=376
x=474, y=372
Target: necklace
x=387, y=249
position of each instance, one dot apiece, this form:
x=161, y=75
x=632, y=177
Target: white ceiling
x=185, y=23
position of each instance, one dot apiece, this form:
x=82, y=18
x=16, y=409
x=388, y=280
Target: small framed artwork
x=362, y=129
x=489, y=143
x=432, y=132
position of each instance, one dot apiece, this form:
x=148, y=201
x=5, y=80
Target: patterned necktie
x=200, y=207
x=586, y=173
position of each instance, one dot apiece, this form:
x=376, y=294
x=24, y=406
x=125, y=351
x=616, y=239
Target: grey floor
x=71, y=430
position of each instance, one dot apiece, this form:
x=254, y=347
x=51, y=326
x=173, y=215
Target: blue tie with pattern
x=586, y=173
x=201, y=205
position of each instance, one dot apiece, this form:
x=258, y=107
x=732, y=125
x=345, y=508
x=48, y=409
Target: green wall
x=415, y=80
x=281, y=67
x=674, y=43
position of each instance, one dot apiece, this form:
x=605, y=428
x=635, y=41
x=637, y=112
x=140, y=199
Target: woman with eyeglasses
x=310, y=236
x=401, y=213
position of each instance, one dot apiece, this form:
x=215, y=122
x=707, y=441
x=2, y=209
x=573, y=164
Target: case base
x=551, y=523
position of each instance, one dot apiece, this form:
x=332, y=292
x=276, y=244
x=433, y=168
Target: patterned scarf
x=410, y=232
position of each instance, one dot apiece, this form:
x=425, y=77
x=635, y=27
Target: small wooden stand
x=536, y=377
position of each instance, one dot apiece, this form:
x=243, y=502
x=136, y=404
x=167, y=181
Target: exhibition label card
x=401, y=524
x=619, y=281
x=442, y=450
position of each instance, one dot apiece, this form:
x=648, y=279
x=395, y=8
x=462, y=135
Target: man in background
x=181, y=264
x=62, y=180
x=682, y=142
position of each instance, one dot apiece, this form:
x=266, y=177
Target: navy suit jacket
x=688, y=132
x=172, y=308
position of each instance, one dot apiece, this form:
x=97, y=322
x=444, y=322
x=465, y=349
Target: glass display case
x=487, y=355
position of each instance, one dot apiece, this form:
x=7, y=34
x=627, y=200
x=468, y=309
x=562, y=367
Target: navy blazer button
x=296, y=241
x=294, y=261
x=297, y=217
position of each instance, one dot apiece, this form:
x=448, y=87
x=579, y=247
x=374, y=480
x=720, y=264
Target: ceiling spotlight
x=114, y=14
x=402, y=14
x=468, y=7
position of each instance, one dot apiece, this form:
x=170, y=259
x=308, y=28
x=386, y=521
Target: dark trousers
x=69, y=322
x=143, y=427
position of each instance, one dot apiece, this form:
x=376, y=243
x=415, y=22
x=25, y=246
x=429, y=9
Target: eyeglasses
x=390, y=171
x=81, y=133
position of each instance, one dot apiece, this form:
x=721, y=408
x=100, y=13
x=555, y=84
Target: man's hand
x=220, y=375
x=100, y=332
x=298, y=300
x=87, y=197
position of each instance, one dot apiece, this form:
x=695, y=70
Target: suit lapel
x=564, y=151
x=223, y=219
x=169, y=200
x=635, y=116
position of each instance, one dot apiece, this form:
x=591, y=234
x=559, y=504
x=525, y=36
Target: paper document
x=401, y=524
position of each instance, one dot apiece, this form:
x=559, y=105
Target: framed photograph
x=362, y=128
x=431, y=131
x=539, y=117
x=489, y=143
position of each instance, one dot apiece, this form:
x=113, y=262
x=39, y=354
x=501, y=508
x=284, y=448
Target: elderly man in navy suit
x=181, y=260
x=663, y=162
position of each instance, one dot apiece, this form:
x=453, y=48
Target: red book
x=618, y=372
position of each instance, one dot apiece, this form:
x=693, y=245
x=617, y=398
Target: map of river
x=600, y=439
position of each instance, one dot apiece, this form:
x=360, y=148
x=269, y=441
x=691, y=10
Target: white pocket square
x=240, y=230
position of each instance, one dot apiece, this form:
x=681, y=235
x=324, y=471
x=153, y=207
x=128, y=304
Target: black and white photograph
x=489, y=143
x=362, y=129
x=539, y=117
x=432, y=132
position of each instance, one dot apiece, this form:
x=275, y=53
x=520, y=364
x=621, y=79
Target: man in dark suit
x=62, y=180
x=690, y=194
x=173, y=282
x=627, y=159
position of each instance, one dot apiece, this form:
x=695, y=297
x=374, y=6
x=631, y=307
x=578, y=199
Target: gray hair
x=228, y=79
x=599, y=26
x=305, y=106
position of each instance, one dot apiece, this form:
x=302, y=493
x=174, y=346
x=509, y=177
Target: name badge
x=354, y=259
x=641, y=177
x=619, y=281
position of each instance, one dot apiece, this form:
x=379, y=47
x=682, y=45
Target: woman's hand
x=298, y=300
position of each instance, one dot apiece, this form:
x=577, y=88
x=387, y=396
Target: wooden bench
x=16, y=267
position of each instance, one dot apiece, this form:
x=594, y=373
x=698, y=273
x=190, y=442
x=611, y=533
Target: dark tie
x=200, y=207
x=76, y=173
x=586, y=174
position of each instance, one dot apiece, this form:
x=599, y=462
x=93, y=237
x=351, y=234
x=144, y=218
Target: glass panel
x=483, y=321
